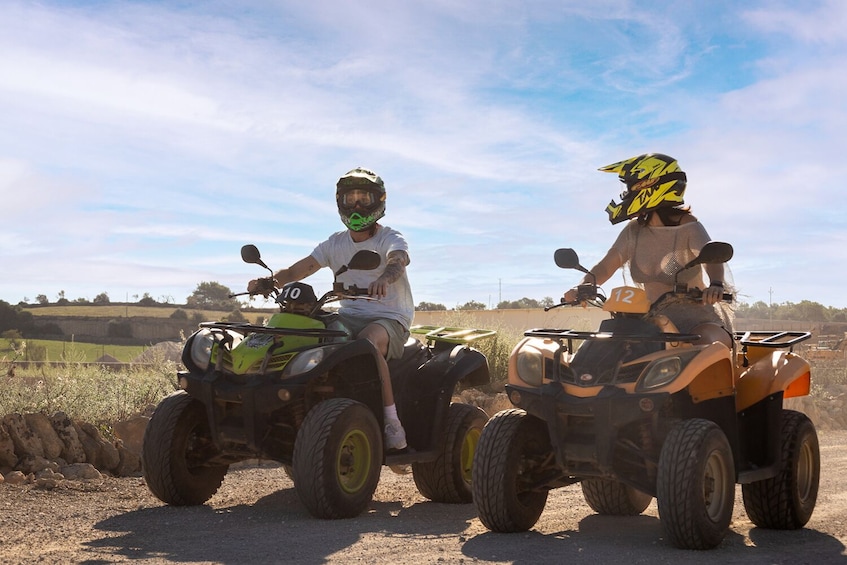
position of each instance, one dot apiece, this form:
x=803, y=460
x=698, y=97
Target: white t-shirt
x=337, y=251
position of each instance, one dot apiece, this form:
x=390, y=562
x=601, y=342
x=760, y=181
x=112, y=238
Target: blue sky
x=142, y=143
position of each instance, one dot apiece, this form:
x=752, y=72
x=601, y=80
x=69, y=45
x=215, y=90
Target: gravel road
x=256, y=517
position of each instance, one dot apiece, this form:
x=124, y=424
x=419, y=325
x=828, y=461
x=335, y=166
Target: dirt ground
x=256, y=517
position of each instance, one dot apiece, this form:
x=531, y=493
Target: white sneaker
x=395, y=435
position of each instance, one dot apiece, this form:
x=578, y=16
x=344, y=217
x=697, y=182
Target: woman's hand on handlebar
x=570, y=296
x=713, y=295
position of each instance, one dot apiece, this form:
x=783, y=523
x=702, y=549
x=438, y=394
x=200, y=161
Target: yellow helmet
x=652, y=180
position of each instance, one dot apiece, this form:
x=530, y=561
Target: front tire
x=695, y=485
x=337, y=458
x=613, y=498
x=176, y=450
x=786, y=501
x=448, y=478
x=512, y=448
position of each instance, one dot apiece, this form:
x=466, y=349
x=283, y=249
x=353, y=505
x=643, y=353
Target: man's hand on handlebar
x=263, y=286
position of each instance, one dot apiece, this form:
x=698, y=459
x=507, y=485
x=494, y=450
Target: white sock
x=391, y=412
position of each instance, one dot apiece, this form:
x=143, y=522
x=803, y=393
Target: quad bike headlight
x=529, y=360
x=201, y=348
x=202, y=344
x=662, y=371
x=306, y=361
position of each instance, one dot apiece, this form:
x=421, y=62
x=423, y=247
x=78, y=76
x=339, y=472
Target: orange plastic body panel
x=779, y=371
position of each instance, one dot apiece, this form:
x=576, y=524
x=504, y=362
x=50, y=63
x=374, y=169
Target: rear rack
x=771, y=338
x=450, y=335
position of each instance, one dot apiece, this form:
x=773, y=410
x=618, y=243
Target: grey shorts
x=397, y=333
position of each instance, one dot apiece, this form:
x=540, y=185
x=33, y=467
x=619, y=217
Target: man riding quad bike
x=637, y=410
x=301, y=391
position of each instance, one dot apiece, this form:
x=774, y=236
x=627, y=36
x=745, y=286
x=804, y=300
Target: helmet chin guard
x=360, y=215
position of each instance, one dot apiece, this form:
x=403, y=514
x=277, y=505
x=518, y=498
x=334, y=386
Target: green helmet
x=360, y=195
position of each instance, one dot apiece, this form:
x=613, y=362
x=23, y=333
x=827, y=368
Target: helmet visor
x=357, y=197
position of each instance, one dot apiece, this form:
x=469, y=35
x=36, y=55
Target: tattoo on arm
x=394, y=267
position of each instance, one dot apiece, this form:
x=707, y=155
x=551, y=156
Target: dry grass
x=90, y=393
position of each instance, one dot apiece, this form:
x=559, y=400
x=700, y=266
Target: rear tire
x=177, y=445
x=513, y=445
x=337, y=458
x=448, y=478
x=786, y=501
x=612, y=498
x=695, y=485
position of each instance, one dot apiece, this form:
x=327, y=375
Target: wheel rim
x=715, y=481
x=805, y=471
x=469, y=445
x=354, y=461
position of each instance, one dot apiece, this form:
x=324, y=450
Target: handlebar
x=585, y=293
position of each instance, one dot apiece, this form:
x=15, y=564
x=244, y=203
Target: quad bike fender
x=781, y=371
x=706, y=376
x=423, y=396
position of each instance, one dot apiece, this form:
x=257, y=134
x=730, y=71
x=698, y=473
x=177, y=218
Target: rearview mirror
x=250, y=254
x=364, y=260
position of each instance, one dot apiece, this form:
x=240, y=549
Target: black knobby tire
x=289, y=471
x=175, y=453
x=695, y=484
x=337, y=458
x=786, y=501
x=512, y=446
x=613, y=498
x=448, y=478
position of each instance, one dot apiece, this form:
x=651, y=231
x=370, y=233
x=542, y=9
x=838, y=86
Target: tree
x=471, y=305
x=102, y=298
x=42, y=299
x=212, y=296
x=430, y=307
x=147, y=300
x=14, y=318
x=522, y=303
x=179, y=314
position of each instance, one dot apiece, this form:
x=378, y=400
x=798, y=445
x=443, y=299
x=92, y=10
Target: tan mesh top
x=655, y=254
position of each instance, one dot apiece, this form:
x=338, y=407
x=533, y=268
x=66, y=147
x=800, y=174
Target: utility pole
x=770, y=303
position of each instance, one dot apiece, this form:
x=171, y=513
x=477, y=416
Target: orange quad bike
x=637, y=410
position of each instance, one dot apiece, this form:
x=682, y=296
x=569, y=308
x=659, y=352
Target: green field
x=73, y=351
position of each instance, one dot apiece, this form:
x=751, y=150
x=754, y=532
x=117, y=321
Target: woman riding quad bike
x=639, y=409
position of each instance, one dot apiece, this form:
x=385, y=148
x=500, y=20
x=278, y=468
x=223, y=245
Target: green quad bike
x=300, y=391
x=639, y=410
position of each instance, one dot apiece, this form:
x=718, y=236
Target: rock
x=80, y=472
x=24, y=439
x=8, y=459
x=35, y=463
x=16, y=478
x=130, y=464
x=107, y=454
x=131, y=432
x=69, y=436
x=90, y=446
x=48, y=479
x=41, y=426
